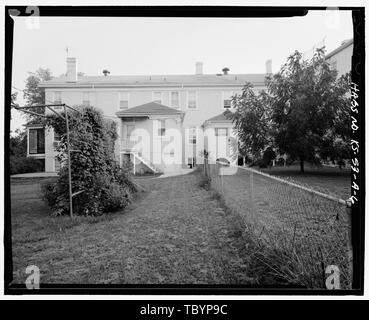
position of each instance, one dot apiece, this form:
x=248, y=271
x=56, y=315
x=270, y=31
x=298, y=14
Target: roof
x=148, y=109
x=343, y=46
x=220, y=117
x=157, y=80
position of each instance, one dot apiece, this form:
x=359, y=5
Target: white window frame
x=125, y=95
x=28, y=143
x=161, y=96
x=179, y=99
x=188, y=100
x=225, y=94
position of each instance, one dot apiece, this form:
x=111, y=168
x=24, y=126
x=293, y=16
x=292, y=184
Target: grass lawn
x=326, y=179
x=296, y=234
x=176, y=232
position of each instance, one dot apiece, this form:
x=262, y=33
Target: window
x=86, y=99
x=192, y=136
x=174, y=99
x=156, y=97
x=221, y=132
x=123, y=100
x=57, y=99
x=161, y=128
x=36, y=141
x=227, y=99
x=191, y=100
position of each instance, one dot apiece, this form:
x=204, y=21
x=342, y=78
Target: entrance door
x=221, y=136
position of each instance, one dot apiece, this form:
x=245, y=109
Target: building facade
x=341, y=57
x=164, y=121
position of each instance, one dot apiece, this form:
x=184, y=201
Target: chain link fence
x=293, y=232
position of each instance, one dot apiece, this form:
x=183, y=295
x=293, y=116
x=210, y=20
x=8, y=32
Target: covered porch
x=144, y=135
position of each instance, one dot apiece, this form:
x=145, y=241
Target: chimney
x=225, y=71
x=71, y=69
x=199, y=66
x=268, y=66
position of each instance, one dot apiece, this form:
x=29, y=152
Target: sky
x=134, y=46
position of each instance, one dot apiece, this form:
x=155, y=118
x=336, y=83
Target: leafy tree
x=13, y=102
x=18, y=144
x=309, y=108
x=251, y=118
x=106, y=186
x=33, y=94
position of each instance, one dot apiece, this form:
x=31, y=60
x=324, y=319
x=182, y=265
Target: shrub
x=25, y=165
x=49, y=193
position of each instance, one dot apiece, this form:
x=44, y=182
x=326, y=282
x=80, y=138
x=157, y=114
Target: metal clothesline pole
x=69, y=164
x=68, y=140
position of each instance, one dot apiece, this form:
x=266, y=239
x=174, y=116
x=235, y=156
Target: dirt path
x=176, y=233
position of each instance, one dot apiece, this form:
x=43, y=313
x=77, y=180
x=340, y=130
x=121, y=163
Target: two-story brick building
x=164, y=121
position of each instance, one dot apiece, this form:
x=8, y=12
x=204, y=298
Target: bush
x=49, y=193
x=25, y=165
x=106, y=187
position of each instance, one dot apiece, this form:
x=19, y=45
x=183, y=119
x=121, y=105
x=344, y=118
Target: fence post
x=206, y=166
x=69, y=165
x=252, y=197
x=349, y=242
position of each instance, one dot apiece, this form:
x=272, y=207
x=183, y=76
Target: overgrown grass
x=175, y=233
x=329, y=180
x=291, y=236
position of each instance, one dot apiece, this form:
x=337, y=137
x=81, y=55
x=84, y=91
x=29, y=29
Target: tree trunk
x=302, y=165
